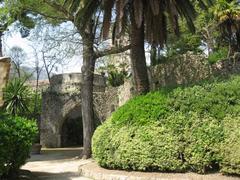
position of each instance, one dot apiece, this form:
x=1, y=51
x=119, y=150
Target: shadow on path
x=56, y=164
x=48, y=154
x=53, y=176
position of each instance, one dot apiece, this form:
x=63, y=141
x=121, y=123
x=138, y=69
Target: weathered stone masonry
x=4, y=74
x=62, y=101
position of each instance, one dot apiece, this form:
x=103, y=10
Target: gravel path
x=56, y=164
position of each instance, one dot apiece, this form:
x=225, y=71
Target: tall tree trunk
x=18, y=71
x=87, y=88
x=1, y=46
x=138, y=59
x=153, y=55
x=36, y=94
x=46, y=67
x=238, y=40
x=230, y=46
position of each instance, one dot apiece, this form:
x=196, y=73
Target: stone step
x=92, y=170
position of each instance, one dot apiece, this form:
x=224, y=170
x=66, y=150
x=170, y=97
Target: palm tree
x=227, y=14
x=149, y=20
x=81, y=13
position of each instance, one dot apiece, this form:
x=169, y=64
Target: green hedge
x=16, y=137
x=177, y=144
x=230, y=147
x=216, y=99
x=178, y=130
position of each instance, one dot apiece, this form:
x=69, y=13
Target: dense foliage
x=218, y=55
x=216, y=99
x=21, y=100
x=230, y=148
x=16, y=137
x=175, y=130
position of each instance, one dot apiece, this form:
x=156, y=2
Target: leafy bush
x=16, y=137
x=202, y=139
x=34, y=105
x=178, y=143
x=230, y=149
x=218, y=55
x=115, y=78
x=138, y=148
x=174, y=130
x=142, y=109
x=215, y=100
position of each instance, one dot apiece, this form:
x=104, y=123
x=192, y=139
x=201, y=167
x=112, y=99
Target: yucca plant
x=16, y=97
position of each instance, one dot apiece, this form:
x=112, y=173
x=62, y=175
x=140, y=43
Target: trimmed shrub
x=202, y=139
x=143, y=148
x=16, y=137
x=230, y=149
x=142, y=110
x=177, y=144
x=215, y=99
x=175, y=130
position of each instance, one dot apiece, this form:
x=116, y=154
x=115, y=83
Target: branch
x=114, y=50
x=51, y=17
x=59, y=8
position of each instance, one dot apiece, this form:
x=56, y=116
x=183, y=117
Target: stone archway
x=61, y=109
x=72, y=129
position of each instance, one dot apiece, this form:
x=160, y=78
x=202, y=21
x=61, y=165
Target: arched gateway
x=61, y=119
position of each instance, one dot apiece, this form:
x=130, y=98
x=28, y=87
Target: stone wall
x=189, y=69
x=62, y=101
x=186, y=69
x=227, y=67
x=55, y=109
x=112, y=98
x=4, y=74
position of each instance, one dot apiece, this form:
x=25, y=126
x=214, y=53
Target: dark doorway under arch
x=72, y=133
x=72, y=128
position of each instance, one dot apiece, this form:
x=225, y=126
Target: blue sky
x=13, y=38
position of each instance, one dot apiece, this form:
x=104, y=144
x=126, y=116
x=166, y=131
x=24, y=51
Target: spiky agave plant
x=16, y=97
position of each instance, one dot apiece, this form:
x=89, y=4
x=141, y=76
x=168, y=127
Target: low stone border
x=92, y=170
